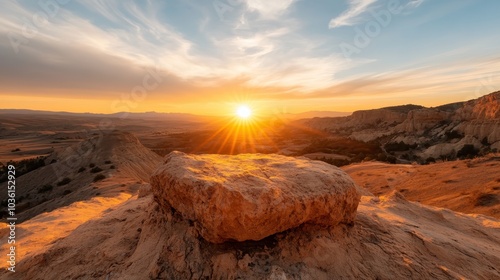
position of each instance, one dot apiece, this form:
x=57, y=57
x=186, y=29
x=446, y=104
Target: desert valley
x=109, y=202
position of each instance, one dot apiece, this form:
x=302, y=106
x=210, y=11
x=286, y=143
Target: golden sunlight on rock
x=40, y=232
x=256, y=196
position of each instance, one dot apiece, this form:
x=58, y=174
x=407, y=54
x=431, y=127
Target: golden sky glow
x=289, y=56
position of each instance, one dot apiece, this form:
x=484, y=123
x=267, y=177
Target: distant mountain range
x=118, y=114
x=166, y=116
x=317, y=114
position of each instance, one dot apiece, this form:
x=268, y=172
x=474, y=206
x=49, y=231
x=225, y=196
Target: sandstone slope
x=391, y=238
x=70, y=173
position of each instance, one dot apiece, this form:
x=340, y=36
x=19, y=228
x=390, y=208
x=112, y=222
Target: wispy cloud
x=271, y=54
x=351, y=16
x=269, y=9
x=459, y=79
x=358, y=9
x=103, y=48
x=414, y=3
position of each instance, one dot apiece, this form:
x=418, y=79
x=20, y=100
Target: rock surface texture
x=252, y=196
x=392, y=238
x=438, y=128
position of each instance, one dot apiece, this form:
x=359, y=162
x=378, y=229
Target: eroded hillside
x=416, y=133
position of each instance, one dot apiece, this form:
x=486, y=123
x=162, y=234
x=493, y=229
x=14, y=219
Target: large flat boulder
x=252, y=196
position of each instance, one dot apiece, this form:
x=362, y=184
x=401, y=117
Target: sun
x=244, y=112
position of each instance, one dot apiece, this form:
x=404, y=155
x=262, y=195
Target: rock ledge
x=252, y=196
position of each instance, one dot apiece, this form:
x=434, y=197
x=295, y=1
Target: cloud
x=351, y=16
x=459, y=79
x=414, y=3
x=76, y=52
x=269, y=9
x=357, y=9
x=139, y=38
x=270, y=54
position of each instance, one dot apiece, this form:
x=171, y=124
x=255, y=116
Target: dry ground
x=467, y=186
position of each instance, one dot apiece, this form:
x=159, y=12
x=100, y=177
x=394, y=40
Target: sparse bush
x=487, y=199
x=342, y=146
x=449, y=157
x=430, y=160
x=65, y=192
x=484, y=151
x=107, y=162
x=22, y=167
x=381, y=157
x=91, y=165
x=45, y=188
x=64, y=181
x=392, y=159
x=99, y=177
x=112, y=167
x=359, y=157
x=95, y=169
x=453, y=134
x=398, y=147
x=337, y=162
x=81, y=169
x=467, y=151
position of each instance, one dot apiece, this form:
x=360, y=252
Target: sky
x=208, y=56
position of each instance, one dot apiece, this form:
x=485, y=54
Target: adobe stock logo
x=222, y=7
x=364, y=36
x=487, y=84
x=48, y=9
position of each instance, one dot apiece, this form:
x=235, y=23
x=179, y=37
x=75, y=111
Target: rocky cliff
x=417, y=121
x=483, y=108
x=442, y=126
